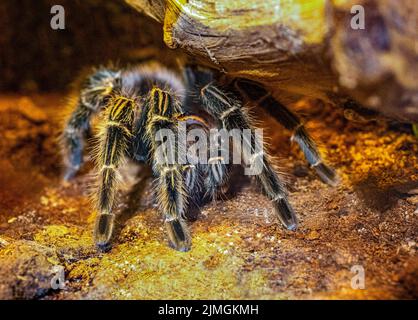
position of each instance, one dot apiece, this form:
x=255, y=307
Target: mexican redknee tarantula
x=139, y=101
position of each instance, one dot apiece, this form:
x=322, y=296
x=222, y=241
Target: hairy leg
x=115, y=137
x=232, y=115
x=290, y=121
x=94, y=95
x=172, y=192
x=216, y=171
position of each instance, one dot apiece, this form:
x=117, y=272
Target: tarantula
x=136, y=103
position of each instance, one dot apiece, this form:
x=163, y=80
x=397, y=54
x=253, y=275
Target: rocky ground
x=239, y=251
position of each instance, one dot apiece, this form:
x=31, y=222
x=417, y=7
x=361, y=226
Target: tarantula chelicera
x=137, y=103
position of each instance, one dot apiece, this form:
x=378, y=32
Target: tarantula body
x=138, y=103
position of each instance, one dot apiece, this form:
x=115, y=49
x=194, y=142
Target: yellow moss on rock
x=70, y=241
x=151, y=270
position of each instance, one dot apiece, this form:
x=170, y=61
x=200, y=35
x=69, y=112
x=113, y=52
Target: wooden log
x=303, y=47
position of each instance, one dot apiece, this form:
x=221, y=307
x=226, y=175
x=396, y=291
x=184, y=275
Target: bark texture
x=304, y=47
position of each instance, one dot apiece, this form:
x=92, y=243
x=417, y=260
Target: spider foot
x=326, y=174
x=179, y=237
x=286, y=214
x=103, y=230
x=70, y=173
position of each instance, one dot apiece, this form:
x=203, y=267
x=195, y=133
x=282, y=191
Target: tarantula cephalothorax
x=137, y=103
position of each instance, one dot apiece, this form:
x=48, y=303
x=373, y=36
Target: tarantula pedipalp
x=138, y=102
